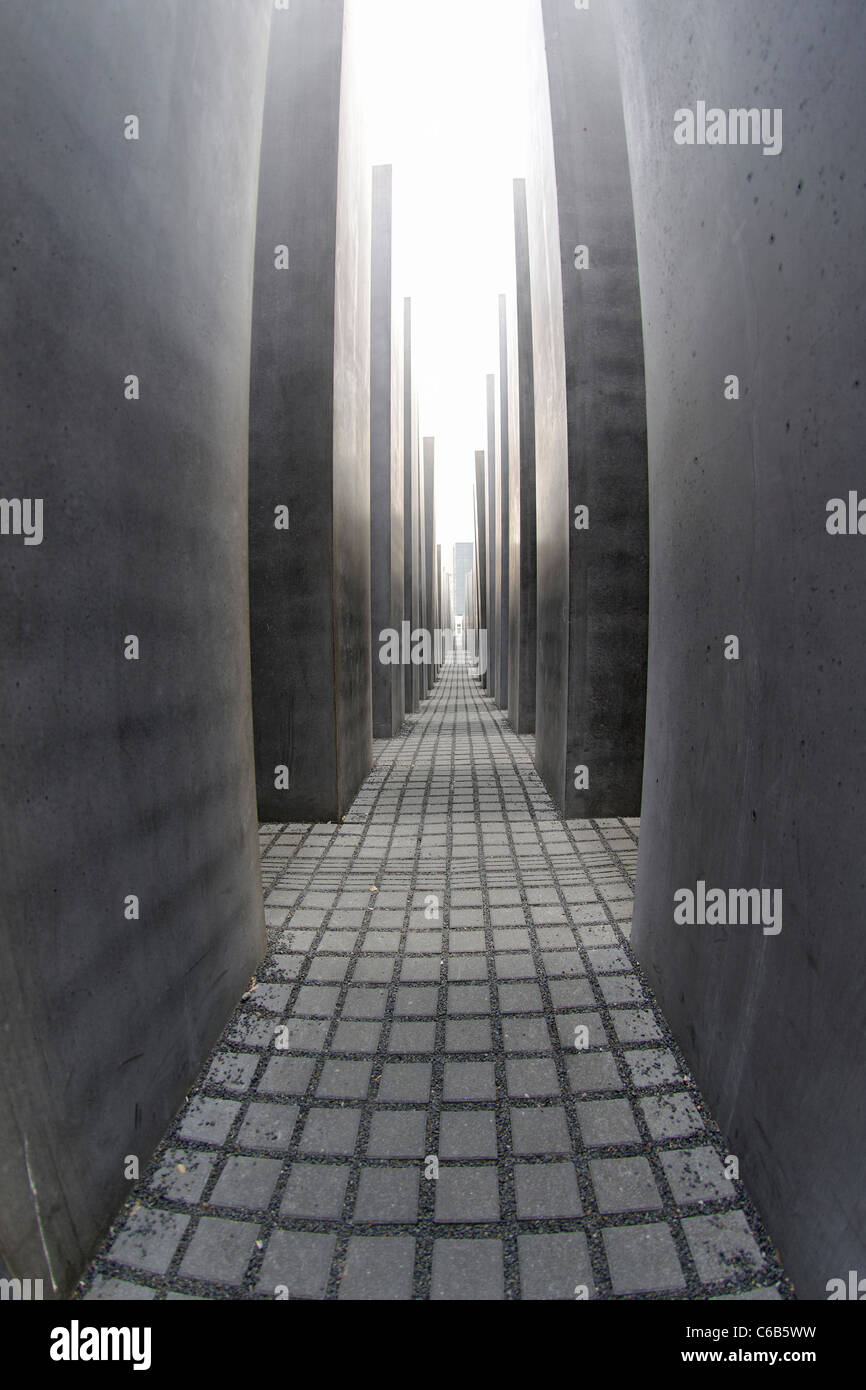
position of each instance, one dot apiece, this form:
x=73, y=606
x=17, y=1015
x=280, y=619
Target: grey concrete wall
x=481, y=536
x=590, y=422
x=424, y=620
x=521, y=482
x=491, y=679
x=411, y=510
x=310, y=424
x=386, y=463
x=752, y=265
x=430, y=605
x=121, y=778
x=503, y=511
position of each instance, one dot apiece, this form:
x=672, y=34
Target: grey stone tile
x=520, y=998
x=182, y=1175
x=149, y=1239
x=722, y=1246
x=606, y=1123
x=343, y=1080
x=468, y=999
x=117, y=1291
x=696, y=1175
x=642, y=1259
x=468, y=1035
x=332, y=1131
x=546, y=1190
x=624, y=1184
x=555, y=1266
x=367, y=1003
x=219, y=1251
x=671, y=1116
x=635, y=1025
x=406, y=1081
x=593, y=1071
x=465, y=1195
x=469, y=1081
x=419, y=1001
x=398, y=1134
x=387, y=1195
x=654, y=1066
x=531, y=1077
x=526, y=1035
x=232, y=1071
x=540, y=1130
x=467, y=1270
x=298, y=1262
x=208, y=1120
x=315, y=1191
x=268, y=1126
x=287, y=1076
x=467, y=1134
x=378, y=1270
x=247, y=1184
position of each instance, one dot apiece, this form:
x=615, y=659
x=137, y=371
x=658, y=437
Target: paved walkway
x=450, y=1081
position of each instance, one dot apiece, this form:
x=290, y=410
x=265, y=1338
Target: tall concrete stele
x=310, y=423
x=490, y=512
x=386, y=464
x=752, y=268
x=411, y=510
x=503, y=512
x=481, y=575
x=521, y=482
x=590, y=420
x=431, y=606
x=131, y=916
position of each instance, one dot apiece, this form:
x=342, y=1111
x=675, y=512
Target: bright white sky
x=446, y=108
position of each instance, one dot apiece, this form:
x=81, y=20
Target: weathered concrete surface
x=481, y=537
x=386, y=464
x=491, y=678
x=121, y=778
x=310, y=424
x=464, y=562
x=411, y=510
x=756, y=769
x=590, y=422
x=424, y=669
x=430, y=588
x=521, y=483
x=503, y=513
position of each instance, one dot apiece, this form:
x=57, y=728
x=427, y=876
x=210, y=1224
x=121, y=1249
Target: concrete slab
x=386, y=464
x=590, y=423
x=522, y=620
x=131, y=914
x=310, y=425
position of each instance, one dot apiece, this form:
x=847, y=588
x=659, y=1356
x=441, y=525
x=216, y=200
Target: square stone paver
x=467, y=1134
x=297, y=1264
x=149, y=1239
x=546, y=1190
x=467, y=1195
x=247, y=1183
x=722, y=1246
x=606, y=1123
x=624, y=1184
x=555, y=1266
x=642, y=1259
x=468, y=1270
x=315, y=1191
x=219, y=1251
x=333, y=1131
x=378, y=1270
x=387, y=1195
